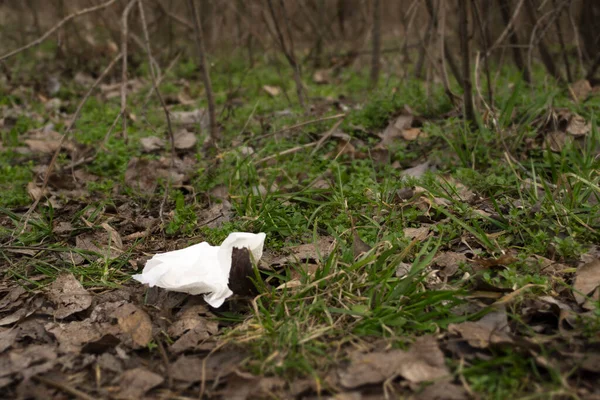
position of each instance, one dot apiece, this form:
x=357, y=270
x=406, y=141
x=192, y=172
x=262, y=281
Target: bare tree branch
x=56, y=27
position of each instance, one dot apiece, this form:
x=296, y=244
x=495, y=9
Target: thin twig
x=64, y=387
x=163, y=104
x=124, y=39
x=288, y=151
x=56, y=27
x=66, y=134
x=212, y=109
x=326, y=136
x=299, y=125
x=507, y=29
x=287, y=52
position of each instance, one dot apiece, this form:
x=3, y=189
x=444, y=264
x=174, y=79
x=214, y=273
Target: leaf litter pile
x=387, y=270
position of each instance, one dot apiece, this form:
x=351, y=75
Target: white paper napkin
x=200, y=268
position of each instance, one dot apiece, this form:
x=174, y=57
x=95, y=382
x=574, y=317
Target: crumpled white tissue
x=200, y=268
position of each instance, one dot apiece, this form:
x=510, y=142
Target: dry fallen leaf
x=424, y=361
x=67, y=293
x=217, y=365
x=152, y=143
x=309, y=251
x=184, y=139
x=587, y=281
x=413, y=134
x=580, y=90
x=134, y=322
x=134, y=383
x=395, y=130
x=272, y=90
x=191, y=328
x=321, y=76
x=190, y=118
x=417, y=233
x=491, y=329
x=416, y=171
x=359, y=247
x=450, y=261
x=578, y=126
x=73, y=336
x=556, y=141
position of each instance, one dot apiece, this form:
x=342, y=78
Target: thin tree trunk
x=288, y=52
x=561, y=40
x=463, y=11
x=212, y=118
x=547, y=59
x=447, y=53
x=513, y=38
x=376, y=60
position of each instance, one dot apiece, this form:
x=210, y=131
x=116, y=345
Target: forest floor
x=406, y=254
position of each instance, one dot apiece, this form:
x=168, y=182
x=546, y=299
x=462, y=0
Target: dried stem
x=288, y=52
x=485, y=41
x=155, y=84
x=561, y=40
x=199, y=36
x=547, y=59
x=124, y=40
x=513, y=38
x=376, y=56
x=463, y=11
x=56, y=27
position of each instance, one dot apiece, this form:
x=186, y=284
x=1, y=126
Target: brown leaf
x=502, y=261
x=134, y=383
x=491, y=329
x=587, y=280
x=556, y=141
x=417, y=171
x=218, y=365
x=190, y=118
x=273, y=91
x=321, y=76
x=580, y=90
x=191, y=328
x=578, y=126
x=114, y=239
x=443, y=391
x=413, y=134
x=358, y=246
x=450, y=261
x=134, y=322
x=67, y=293
x=184, y=140
x=44, y=141
x=7, y=338
x=36, y=192
x=152, y=143
x=424, y=361
x=417, y=233
x=73, y=336
x=395, y=130
x=143, y=174
x=309, y=251
x=99, y=242
x=253, y=387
